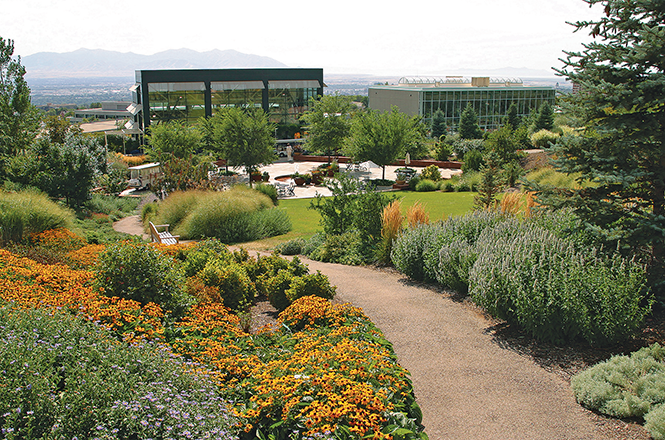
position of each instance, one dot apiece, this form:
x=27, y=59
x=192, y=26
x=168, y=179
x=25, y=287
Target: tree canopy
x=172, y=139
x=245, y=137
x=329, y=123
x=620, y=148
x=439, y=126
x=19, y=119
x=383, y=137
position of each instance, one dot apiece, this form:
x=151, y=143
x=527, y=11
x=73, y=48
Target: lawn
x=305, y=221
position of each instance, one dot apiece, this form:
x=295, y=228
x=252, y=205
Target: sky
x=342, y=36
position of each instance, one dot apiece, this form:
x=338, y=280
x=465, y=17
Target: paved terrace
x=283, y=168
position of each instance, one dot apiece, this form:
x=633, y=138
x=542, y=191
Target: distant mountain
x=104, y=63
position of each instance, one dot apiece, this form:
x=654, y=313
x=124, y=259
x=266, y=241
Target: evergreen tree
x=439, y=126
x=620, y=149
x=545, y=117
x=491, y=182
x=468, y=124
x=512, y=116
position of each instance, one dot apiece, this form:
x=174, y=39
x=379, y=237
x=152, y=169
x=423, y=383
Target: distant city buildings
x=110, y=110
x=490, y=97
x=187, y=95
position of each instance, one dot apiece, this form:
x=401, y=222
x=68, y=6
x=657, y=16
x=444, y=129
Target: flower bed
x=326, y=373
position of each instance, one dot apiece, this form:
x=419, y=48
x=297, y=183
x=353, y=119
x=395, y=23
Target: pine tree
x=439, y=126
x=512, y=116
x=545, y=117
x=620, y=149
x=491, y=182
x=468, y=124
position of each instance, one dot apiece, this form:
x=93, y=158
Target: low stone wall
x=344, y=159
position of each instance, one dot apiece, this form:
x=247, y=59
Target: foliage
x=329, y=123
x=29, y=212
x=468, y=124
x=620, y=147
x=61, y=170
x=116, y=207
x=346, y=248
x=439, y=127
x=315, y=284
x=391, y=222
x=512, y=172
x=544, y=138
x=462, y=146
x=140, y=273
x=291, y=247
x=67, y=378
x=269, y=190
x=426, y=185
x=234, y=216
x=416, y=215
x=382, y=137
x=19, y=120
x=182, y=174
x=626, y=387
x=491, y=183
x=431, y=172
x=473, y=160
x=555, y=290
x=504, y=143
x=544, y=118
x=512, y=116
x=244, y=137
x=172, y=139
x=236, y=289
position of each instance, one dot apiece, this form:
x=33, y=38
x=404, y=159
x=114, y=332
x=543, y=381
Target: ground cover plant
x=627, y=387
x=325, y=372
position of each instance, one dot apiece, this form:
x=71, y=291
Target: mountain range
x=104, y=63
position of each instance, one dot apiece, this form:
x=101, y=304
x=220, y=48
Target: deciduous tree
x=329, y=123
x=19, y=120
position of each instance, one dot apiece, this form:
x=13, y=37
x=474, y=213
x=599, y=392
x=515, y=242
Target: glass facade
x=491, y=104
x=189, y=94
x=236, y=94
x=288, y=100
x=183, y=101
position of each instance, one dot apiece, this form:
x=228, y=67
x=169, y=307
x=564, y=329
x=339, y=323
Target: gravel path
x=467, y=385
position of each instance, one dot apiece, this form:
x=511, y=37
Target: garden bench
x=163, y=237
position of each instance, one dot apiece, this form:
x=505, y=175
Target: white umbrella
x=369, y=165
x=407, y=160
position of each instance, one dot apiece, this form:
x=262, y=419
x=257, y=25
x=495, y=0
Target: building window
x=183, y=101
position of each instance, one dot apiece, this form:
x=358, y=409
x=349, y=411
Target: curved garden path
x=467, y=385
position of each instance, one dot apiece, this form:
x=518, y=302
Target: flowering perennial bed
x=326, y=373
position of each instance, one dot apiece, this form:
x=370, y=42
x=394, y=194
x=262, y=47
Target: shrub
x=236, y=289
x=198, y=255
x=111, y=205
x=431, y=172
x=409, y=249
x=555, y=291
x=627, y=386
x=316, y=284
x=234, y=216
x=426, y=185
x=291, y=247
x=64, y=377
x=268, y=190
x=473, y=161
x=343, y=249
x=543, y=138
x=276, y=288
x=30, y=212
x=141, y=273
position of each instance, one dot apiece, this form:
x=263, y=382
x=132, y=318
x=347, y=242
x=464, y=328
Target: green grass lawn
x=305, y=221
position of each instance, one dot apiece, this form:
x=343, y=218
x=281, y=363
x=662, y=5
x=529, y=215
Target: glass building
x=187, y=95
x=490, y=98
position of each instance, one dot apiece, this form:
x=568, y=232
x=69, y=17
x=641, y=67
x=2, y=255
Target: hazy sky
x=342, y=36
